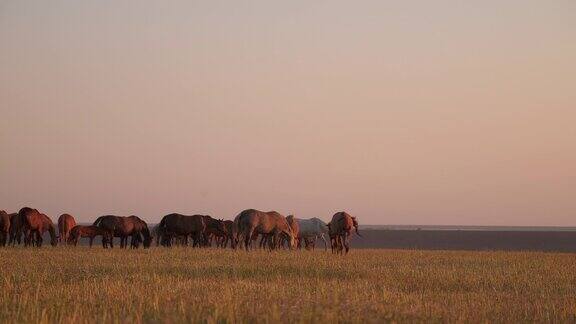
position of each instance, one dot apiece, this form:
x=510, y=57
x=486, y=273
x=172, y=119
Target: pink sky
x=399, y=112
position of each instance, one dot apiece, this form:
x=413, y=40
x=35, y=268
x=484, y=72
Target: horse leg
x=335, y=244
x=248, y=239
x=262, y=241
x=325, y=244
x=338, y=244
x=274, y=241
x=30, y=240
x=280, y=242
x=39, y=239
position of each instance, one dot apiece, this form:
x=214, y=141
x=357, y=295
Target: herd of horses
x=250, y=229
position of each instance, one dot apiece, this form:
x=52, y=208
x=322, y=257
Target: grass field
x=183, y=284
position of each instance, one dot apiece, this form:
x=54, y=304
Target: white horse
x=311, y=229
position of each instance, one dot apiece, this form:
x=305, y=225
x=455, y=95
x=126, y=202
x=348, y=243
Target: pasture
x=211, y=285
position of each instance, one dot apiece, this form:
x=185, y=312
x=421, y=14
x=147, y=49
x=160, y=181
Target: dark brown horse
x=230, y=235
x=65, y=223
x=178, y=225
x=251, y=221
x=214, y=229
x=16, y=229
x=36, y=224
x=80, y=231
x=123, y=227
x=340, y=230
x=4, y=227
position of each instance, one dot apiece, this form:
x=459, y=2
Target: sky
x=399, y=112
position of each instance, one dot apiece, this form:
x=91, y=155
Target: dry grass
x=183, y=284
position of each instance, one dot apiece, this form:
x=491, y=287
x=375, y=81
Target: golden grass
x=211, y=285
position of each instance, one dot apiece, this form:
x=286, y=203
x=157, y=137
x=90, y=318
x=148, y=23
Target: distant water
x=470, y=228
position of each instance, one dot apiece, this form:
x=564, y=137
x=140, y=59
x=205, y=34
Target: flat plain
x=46, y=285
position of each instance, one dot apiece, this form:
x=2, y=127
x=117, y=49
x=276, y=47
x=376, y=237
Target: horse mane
x=97, y=221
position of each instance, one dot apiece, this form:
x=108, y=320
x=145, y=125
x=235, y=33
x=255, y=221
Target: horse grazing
x=36, y=224
x=122, y=227
x=4, y=227
x=340, y=230
x=230, y=235
x=295, y=230
x=310, y=230
x=214, y=229
x=177, y=225
x=77, y=232
x=65, y=223
x=251, y=221
x=16, y=229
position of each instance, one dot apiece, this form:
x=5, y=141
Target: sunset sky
x=399, y=112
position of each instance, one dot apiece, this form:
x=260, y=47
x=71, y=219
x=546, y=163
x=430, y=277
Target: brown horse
x=36, y=224
x=230, y=235
x=16, y=229
x=177, y=225
x=65, y=223
x=340, y=230
x=295, y=229
x=80, y=231
x=251, y=221
x=122, y=227
x=4, y=227
x=214, y=229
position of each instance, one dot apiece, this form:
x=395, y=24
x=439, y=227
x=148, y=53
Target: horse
x=230, y=235
x=37, y=224
x=295, y=229
x=4, y=227
x=252, y=221
x=16, y=229
x=65, y=223
x=214, y=228
x=80, y=231
x=340, y=230
x=178, y=225
x=310, y=230
x=122, y=227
